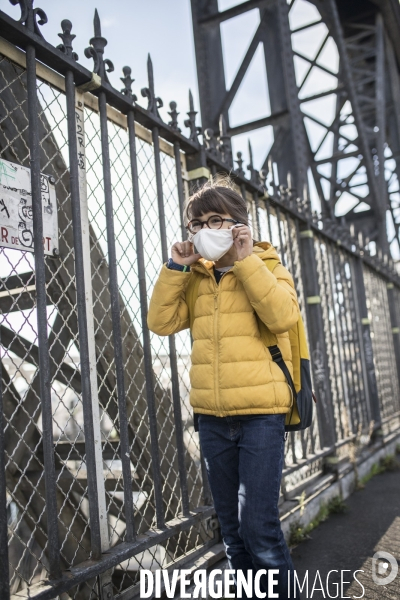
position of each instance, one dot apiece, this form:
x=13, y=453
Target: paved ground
x=347, y=542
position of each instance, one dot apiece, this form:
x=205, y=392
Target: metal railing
x=102, y=466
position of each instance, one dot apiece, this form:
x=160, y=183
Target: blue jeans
x=244, y=459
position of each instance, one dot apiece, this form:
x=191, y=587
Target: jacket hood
x=265, y=250
x=262, y=249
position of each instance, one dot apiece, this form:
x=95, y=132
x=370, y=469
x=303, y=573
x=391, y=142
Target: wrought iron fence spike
x=96, y=51
x=250, y=153
x=262, y=175
x=254, y=177
x=96, y=23
x=29, y=15
x=154, y=103
x=150, y=73
x=67, y=38
x=127, y=81
x=191, y=103
x=191, y=121
x=174, y=116
x=240, y=161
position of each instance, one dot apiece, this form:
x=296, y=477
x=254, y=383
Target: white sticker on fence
x=16, y=224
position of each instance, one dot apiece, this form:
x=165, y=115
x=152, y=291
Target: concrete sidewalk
x=347, y=542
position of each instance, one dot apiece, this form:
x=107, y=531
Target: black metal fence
x=103, y=468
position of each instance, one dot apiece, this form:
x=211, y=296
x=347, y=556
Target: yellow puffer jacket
x=232, y=370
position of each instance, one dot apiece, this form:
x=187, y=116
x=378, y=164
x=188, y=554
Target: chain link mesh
x=24, y=451
x=26, y=504
x=282, y=230
x=383, y=348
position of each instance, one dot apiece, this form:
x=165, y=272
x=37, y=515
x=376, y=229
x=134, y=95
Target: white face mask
x=212, y=244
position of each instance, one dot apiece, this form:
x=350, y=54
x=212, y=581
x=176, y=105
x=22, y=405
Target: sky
x=163, y=28
x=133, y=29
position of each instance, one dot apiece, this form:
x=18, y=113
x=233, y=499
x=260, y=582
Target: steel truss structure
x=101, y=473
x=334, y=106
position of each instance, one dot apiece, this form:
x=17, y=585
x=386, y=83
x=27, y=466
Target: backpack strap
x=277, y=357
x=271, y=341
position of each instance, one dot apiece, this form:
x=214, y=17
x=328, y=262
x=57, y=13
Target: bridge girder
x=354, y=164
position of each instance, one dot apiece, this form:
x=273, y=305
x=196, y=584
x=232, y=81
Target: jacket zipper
x=216, y=371
x=216, y=394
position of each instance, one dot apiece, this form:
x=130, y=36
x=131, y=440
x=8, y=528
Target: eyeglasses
x=213, y=222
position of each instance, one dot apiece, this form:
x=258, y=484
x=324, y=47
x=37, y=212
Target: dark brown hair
x=217, y=197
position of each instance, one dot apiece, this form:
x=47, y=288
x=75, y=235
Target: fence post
x=171, y=339
x=92, y=441
x=83, y=272
x=366, y=347
x=316, y=335
x=53, y=547
x=4, y=568
x=198, y=172
x=87, y=274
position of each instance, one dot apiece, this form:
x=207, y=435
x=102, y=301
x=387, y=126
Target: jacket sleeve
x=168, y=312
x=272, y=295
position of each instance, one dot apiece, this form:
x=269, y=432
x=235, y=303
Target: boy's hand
x=182, y=253
x=242, y=241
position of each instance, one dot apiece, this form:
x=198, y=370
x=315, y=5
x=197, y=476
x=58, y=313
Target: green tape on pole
x=93, y=84
x=198, y=173
x=366, y=321
x=389, y=286
x=306, y=233
x=314, y=300
x=395, y=330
